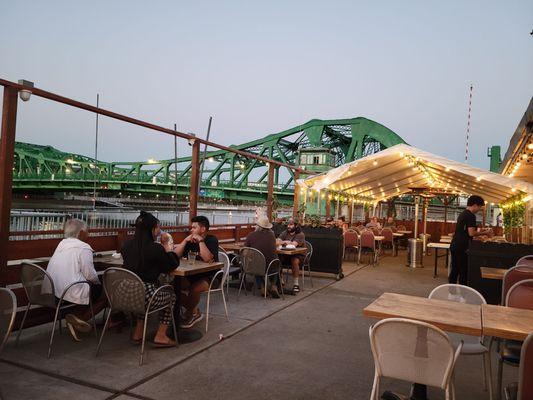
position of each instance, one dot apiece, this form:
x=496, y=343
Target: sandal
x=170, y=343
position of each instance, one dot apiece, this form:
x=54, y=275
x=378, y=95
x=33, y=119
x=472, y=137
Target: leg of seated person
x=197, y=288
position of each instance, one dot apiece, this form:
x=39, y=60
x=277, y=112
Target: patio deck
x=311, y=346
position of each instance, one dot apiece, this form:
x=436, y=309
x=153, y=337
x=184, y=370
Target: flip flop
x=164, y=345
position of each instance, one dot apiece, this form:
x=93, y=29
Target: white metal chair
x=8, y=310
x=412, y=351
x=218, y=286
x=471, y=345
x=125, y=292
x=39, y=289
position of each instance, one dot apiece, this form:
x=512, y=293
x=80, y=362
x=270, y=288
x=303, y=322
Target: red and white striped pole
x=468, y=123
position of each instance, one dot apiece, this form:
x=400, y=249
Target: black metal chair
x=39, y=289
x=125, y=292
x=8, y=310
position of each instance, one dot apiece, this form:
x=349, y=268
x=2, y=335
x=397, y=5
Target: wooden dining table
x=506, y=322
x=492, y=273
x=446, y=315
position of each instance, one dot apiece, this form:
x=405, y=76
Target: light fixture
x=25, y=94
x=530, y=146
x=211, y=159
x=375, y=163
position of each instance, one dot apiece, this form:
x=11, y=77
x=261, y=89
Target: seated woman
x=72, y=262
x=264, y=240
x=148, y=259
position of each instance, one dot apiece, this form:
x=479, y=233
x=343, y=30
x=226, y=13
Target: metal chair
x=125, y=292
x=223, y=275
x=8, y=310
x=307, y=264
x=471, y=345
x=412, y=351
x=274, y=265
x=39, y=289
x=351, y=242
x=526, y=261
x=253, y=263
x=523, y=390
x=367, y=244
x=520, y=295
x=389, y=239
x=513, y=275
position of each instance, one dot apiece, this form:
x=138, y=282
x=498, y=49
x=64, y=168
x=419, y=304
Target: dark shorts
x=206, y=276
x=286, y=259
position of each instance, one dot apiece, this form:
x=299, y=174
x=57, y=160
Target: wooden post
x=270, y=195
x=296, y=201
x=195, y=180
x=7, y=155
x=350, y=212
x=328, y=205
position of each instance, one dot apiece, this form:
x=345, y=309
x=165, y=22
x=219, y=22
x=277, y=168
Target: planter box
x=496, y=255
x=327, y=248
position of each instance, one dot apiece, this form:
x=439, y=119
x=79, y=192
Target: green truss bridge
x=316, y=145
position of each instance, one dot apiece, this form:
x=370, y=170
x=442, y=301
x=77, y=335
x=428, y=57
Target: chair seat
x=510, y=352
x=234, y=270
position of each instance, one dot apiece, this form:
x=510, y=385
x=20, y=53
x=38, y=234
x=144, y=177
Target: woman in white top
x=73, y=262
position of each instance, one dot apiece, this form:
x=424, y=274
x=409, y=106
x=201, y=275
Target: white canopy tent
x=402, y=168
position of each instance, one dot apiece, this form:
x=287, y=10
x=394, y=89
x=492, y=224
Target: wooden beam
x=270, y=186
x=296, y=201
x=195, y=180
x=328, y=205
x=7, y=155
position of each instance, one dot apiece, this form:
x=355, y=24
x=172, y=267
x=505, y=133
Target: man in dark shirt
x=264, y=240
x=205, y=247
x=293, y=236
x=465, y=230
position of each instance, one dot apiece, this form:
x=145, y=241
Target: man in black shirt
x=465, y=230
x=205, y=247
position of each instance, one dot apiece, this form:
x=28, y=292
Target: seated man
x=71, y=262
x=330, y=222
x=374, y=223
x=390, y=223
x=293, y=235
x=264, y=240
x=341, y=223
x=206, y=248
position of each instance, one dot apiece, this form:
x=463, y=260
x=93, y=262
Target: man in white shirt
x=73, y=262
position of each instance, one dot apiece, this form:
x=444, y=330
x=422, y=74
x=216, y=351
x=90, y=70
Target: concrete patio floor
x=310, y=346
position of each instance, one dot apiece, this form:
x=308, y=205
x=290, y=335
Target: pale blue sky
x=262, y=67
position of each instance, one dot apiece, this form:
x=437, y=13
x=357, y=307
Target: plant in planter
x=313, y=221
x=513, y=213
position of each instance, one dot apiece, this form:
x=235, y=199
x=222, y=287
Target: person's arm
x=179, y=248
x=87, y=266
x=165, y=260
x=206, y=253
x=472, y=232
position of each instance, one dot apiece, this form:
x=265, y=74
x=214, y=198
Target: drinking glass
x=192, y=256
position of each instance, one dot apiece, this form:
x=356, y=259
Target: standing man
x=465, y=230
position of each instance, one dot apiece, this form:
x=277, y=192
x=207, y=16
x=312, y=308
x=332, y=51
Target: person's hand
x=189, y=238
x=197, y=238
x=489, y=232
x=169, y=246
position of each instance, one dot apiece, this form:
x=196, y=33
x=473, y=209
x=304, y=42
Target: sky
x=262, y=67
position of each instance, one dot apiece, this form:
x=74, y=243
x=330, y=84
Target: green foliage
x=313, y=221
x=514, y=212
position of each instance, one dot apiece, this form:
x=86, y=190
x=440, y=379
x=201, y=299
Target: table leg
x=184, y=335
x=436, y=260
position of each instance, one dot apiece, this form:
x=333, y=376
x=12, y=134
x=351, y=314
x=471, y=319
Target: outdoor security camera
x=25, y=94
x=191, y=141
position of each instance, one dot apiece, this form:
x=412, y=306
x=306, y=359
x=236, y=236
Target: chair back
x=526, y=261
x=460, y=294
x=38, y=285
x=309, y=253
x=8, y=310
x=393, y=229
x=412, y=351
x=367, y=239
x=387, y=233
x=223, y=258
x=124, y=290
x=359, y=228
x=520, y=295
x=253, y=261
x=375, y=231
x=512, y=276
x=401, y=228
x=350, y=239
x=525, y=371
